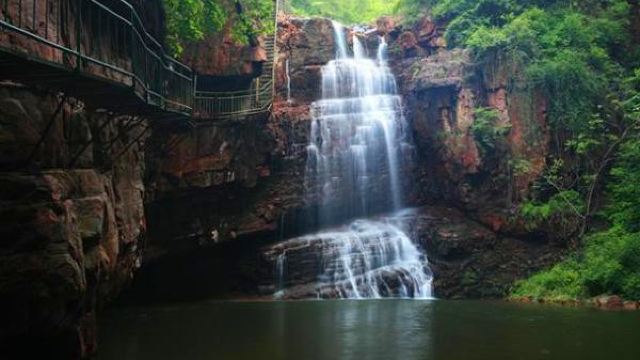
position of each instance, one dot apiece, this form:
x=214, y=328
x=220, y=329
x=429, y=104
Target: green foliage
x=624, y=189
x=609, y=264
x=561, y=282
x=348, y=12
x=610, y=260
x=519, y=166
x=486, y=130
x=255, y=19
x=567, y=203
x=191, y=20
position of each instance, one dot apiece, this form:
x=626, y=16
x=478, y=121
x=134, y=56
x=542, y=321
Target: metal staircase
x=256, y=100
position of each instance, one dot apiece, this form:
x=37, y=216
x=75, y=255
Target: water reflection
x=373, y=329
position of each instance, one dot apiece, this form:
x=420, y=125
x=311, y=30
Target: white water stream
x=353, y=170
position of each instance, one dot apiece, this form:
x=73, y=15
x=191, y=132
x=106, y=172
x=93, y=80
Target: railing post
x=132, y=49
x=78, y=34
x=194, y=94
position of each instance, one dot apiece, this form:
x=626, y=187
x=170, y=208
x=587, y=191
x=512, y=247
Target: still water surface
x=371, y=329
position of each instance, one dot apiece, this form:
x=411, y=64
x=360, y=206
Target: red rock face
x=220, y=55
x=407, y=40
x=262, y=159
x=306, y=44
x=41, y=22
x=425, y=30
x=442, y=90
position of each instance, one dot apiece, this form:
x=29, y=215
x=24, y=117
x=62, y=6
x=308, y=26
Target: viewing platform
x=100, y=51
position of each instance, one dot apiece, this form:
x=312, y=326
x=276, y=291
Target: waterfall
x=367, y=259
x=357, y=132
x=352, y=171
x=288, y=74
x=341, y=43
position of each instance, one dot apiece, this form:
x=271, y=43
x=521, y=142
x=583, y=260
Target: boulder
x=609, y=302
x=385, y=25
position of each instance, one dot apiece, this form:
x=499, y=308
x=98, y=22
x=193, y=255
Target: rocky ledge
x=467, y=258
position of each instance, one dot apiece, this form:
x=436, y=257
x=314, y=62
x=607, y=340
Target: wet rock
x=408, y=43
x=385, y=25
x=307, y=44
x=468, y=260
x=612, y=302
x=365, y=259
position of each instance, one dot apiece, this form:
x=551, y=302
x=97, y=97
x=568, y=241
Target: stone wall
x=71, y=219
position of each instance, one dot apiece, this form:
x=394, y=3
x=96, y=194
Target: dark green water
x=387, y=329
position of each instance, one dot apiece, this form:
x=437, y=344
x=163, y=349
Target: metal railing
x=99, y=39
x=257, y=99
x=106, y=39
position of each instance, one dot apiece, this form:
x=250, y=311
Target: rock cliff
x=71, y=215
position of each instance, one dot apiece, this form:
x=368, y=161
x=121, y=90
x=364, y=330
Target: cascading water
x=357, y=133
x=367, y=259
x=288, y=75
x=353, y=167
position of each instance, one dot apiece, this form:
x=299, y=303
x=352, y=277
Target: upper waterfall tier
x=357, y=134
x=356, y=77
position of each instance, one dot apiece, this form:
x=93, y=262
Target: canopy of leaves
x=348, y=12
x=192, y=20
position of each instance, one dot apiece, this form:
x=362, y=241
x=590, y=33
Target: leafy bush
x=191, y=20
x=561, y=282
x=486, y=130
x=609, y=264
x=568, y=202
x=610, y=260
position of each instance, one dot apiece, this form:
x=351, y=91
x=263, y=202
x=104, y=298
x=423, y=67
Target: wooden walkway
x=99, y=51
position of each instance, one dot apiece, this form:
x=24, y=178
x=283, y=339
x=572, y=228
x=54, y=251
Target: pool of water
x=371, y=329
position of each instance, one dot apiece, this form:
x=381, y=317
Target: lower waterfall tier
x=367, y=259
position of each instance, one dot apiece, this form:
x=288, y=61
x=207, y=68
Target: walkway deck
x=99, y=51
